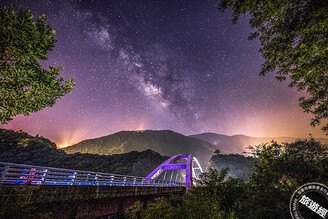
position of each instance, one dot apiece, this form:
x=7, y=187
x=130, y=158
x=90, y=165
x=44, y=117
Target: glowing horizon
x=165, y=70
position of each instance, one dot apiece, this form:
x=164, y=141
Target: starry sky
x=179, y=65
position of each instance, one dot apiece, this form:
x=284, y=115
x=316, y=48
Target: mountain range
x=20, y=147
x=165, y=142
x=239, y=143
x=169, y=143
x=128, y=152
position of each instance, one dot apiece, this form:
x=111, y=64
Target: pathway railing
x=16, y=174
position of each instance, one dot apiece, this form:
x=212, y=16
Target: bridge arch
x=191, y=166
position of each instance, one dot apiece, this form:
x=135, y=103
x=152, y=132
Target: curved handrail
x=17, y=174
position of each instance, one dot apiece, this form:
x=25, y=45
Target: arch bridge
x=183, y=167
x=177, y=171
x=67, y=193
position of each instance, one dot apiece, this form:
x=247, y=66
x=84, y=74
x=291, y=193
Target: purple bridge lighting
x=185, y=168
x=57, y=186
x=177, y=171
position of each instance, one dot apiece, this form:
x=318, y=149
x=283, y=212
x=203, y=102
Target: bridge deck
x=18, y=174
x=74, y=193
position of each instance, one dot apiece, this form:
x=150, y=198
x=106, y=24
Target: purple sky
x=178, y=65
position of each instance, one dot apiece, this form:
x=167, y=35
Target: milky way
x=177, y=65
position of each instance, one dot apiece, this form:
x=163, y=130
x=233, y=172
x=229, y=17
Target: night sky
x=179, y=65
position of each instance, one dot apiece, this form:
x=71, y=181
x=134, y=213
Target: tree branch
x=11, y=43
x=6, y=59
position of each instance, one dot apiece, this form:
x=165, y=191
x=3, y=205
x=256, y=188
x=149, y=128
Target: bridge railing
x=11, y=173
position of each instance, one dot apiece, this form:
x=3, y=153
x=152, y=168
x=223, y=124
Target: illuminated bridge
x=83, y=193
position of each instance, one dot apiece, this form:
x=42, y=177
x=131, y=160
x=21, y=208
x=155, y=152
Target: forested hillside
x=239, y=143
x=19, y=147
x=165, y=142
x=239, y=165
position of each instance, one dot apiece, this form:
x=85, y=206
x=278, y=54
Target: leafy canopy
x=294, y=38
x=24, y=85
x=280, y=171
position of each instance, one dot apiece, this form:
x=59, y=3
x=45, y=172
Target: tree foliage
x=199, y=203
x=160, y=208
x=299, y=162
x=294, y=38
x=24, y=85
x=280, y=170
x=205, y=201
x=17, y=205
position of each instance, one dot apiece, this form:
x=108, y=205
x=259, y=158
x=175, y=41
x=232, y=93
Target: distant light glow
x=63, y=146
x=189, y=72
